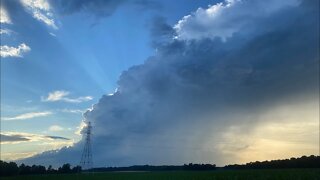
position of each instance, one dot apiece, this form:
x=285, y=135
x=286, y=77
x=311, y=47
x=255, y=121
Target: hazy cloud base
x=177, y=106
x=18, y=137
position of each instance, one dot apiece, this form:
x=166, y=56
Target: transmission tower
x=86, y=158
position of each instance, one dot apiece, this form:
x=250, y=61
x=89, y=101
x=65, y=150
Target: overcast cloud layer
x=218, y=69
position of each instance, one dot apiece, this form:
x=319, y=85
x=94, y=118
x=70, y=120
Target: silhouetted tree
x=23, y=169
x=8, y=169
x=50, y=170
x=302, y=162
x=76, y=169
x=38, y=169
x=65, y=169
x=199, y=167
x=11, y=168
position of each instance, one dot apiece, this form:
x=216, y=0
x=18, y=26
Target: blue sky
x=161, y=74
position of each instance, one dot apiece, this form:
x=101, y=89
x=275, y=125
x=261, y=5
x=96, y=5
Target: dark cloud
x=160, y=31
x=12, y=138
x=57, y=137
x=159, y=28
x=173, y=108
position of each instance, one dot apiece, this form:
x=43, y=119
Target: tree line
x=185, y=167
x=12, y=169
x=302, y=162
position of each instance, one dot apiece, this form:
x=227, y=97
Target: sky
x=162, y=82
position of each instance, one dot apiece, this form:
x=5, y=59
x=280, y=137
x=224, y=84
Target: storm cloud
x=178, y=106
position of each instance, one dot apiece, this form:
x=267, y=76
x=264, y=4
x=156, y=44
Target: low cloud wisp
x=63, y=96
x=30, y=115
x=18, y=137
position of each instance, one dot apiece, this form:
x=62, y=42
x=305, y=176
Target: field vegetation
x=302, y=168
x=269, y=174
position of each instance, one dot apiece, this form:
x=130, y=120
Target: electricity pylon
x=86, y=158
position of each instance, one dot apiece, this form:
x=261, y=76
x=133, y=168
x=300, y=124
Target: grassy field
x=284, y=174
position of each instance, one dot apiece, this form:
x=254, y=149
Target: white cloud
x=27, y=116
x=56, y=95
x=62, y=96
x=8, y=51
x=5, y=31
x=224, y=19
x=79, y=99
x=41, y=11
x=5, y=18
x=76, y=111
x=52, y=34
x=80, y=128
x=56, y=128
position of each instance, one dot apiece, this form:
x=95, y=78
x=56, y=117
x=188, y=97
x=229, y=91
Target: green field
x=290, y=174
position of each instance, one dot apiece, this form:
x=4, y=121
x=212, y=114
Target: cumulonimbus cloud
x=63, y=96
x=179, y=106
x=9, y=51
x=30, y=115
x=219, y=20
